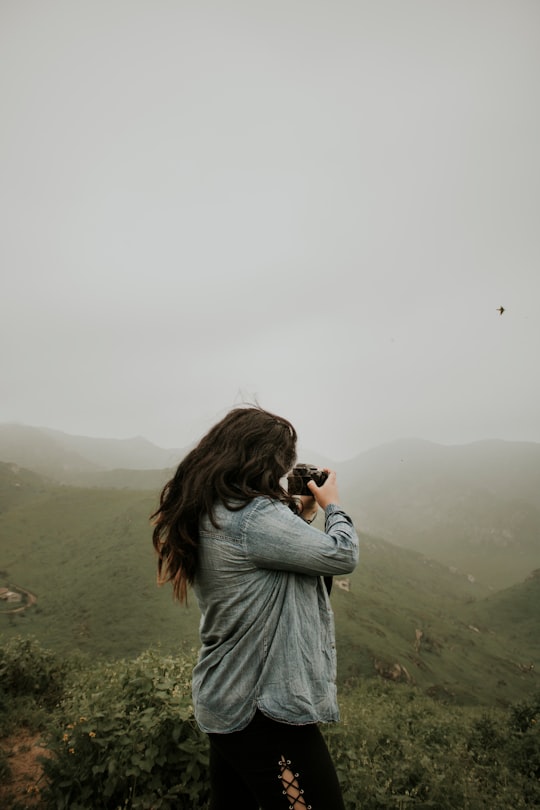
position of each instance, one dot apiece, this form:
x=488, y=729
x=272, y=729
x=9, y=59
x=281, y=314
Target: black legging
x=272, y=766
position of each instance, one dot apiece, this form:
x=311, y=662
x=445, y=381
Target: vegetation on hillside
x=86, y=555
x=121, y=736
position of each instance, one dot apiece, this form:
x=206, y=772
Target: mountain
x=74, y=459
x=475, y=507
x=85, y=556
x=508, y=469
x=132, y=463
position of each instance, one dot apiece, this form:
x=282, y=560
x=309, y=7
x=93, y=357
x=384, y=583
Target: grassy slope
x=394, y=593
x=87, y=556
x=515, y=612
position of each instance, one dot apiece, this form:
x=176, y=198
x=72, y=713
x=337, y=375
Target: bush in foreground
x=31, y=682
x=122, y=737
x=397, y=748
x=128, y=740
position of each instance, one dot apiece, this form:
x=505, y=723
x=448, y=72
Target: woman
x=266, y=671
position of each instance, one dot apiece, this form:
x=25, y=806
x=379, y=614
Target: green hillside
x=513, y=611
x=86, y=555
x=145, y=480
x=18, y=486
x=410, y=619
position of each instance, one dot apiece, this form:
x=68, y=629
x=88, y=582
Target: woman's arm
x=274, y=537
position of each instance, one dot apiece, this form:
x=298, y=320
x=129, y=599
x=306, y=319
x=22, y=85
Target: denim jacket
x=267, y=628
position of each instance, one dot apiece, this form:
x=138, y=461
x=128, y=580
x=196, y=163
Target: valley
x=457, y=618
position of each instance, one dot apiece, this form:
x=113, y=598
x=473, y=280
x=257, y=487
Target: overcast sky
x=318, y=204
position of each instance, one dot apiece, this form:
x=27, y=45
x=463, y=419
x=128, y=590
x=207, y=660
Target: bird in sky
x=500, y=310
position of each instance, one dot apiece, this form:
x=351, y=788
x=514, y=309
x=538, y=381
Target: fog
x=319, y=206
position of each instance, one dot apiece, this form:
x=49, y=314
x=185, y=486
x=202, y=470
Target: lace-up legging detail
x=272, y=766
x=293, y=791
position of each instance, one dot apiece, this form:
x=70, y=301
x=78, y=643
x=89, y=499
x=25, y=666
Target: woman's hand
x=328, y=492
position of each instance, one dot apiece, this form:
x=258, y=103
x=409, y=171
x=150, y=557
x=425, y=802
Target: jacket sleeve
x=274, y=537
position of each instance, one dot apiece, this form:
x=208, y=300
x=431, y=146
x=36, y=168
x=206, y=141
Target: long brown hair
x=242, y=456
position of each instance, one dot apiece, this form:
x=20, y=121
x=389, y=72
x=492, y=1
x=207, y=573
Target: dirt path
x=31, y=599
x=23, y=788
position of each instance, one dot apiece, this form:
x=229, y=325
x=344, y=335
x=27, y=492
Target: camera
x=298, y=478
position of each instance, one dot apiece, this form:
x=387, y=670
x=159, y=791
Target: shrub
x=522, y=746
x=128, y=739
x=28, y=670
x=123, y=737
x=31, y=681
x=397, y=748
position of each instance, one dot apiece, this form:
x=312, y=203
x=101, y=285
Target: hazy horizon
x=302, y=448
x=318, y=206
